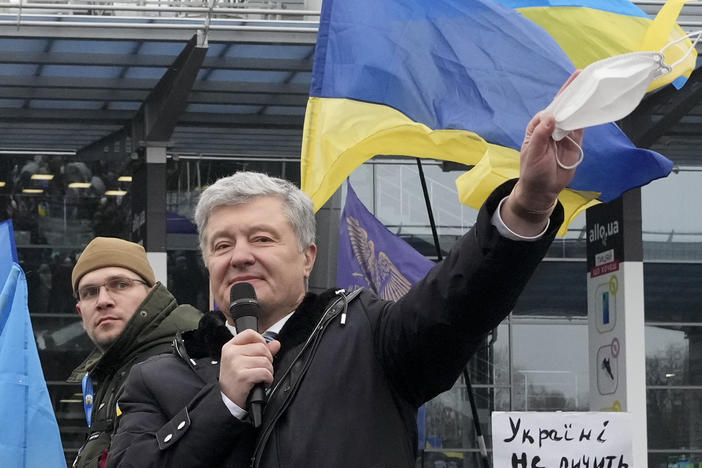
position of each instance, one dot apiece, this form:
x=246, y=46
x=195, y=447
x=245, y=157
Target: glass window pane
x=490, y=364
x=674, y=355
x=672, y=459
x=550, y=366
x=450, y=426
x=674, y=419
x=187, y=278
x=186, y=178
x=391, y=189
x=68, y=407
x=670, y=231
x=62, y=344
x=58, y=201
x=557, y=289
x=673, y=292
x=48, y=272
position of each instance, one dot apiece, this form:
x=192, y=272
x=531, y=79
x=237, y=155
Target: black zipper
x=312, y=340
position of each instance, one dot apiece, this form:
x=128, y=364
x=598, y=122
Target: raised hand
x=541, y=178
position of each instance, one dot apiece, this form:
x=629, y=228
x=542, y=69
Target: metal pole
x=434, y=233
x=476, y=419
x=439, y=257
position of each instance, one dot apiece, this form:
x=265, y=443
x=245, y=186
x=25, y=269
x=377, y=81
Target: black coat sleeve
x=172, y=417
x=426, y=338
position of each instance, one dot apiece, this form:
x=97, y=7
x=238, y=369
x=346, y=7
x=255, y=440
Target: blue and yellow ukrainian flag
x=590, y=30
x=458, y=80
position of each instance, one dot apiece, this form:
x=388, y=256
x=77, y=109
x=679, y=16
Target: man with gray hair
x=347, y=371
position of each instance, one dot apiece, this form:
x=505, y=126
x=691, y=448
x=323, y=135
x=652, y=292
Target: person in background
x=129, y=317
x=40, y=285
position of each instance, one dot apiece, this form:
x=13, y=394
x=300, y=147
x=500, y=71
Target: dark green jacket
x=149, y=332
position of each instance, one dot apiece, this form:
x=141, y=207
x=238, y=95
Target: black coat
x=345, y=395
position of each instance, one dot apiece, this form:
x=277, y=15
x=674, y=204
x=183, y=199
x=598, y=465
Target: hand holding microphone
x=247, y=360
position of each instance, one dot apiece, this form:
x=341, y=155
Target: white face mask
x=609, y=89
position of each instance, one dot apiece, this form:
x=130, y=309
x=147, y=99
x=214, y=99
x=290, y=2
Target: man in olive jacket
x=129, y=317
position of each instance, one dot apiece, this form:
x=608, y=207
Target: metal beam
x=248, y=149
x=241, y=139
x=165, y=9
x=229, y=131
x=114, y=145
x=49, y=129
x=35, y=136
x=238, y=152
x=152, y=61
x=251, y=87
x=60, y=116
x=668, y=106
x=73, y=94
x=151, y=32
x=685, y=130
x=120, y=118
x=124, y=95
x=243, y=99
x=76, y=82
x=161, y=110
x=57, y=82
x=252, y=142
x=242, y=120
x=62, y=127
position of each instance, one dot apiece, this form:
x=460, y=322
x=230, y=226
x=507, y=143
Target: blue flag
x=8, y=252
x=29, y=435
x=370, y=256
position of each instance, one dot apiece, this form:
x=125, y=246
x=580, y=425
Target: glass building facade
x=536, y=360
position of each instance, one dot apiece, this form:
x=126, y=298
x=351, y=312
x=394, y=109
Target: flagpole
x=476, y=420
x=434, y=233
x=466, y=377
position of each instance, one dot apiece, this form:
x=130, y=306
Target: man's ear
x=310, y=256
x=79, y=311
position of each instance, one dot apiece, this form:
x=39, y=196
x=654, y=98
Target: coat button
x=181, y=425
x=168, y=437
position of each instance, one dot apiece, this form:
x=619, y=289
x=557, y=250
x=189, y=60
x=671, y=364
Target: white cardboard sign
x=561, y=440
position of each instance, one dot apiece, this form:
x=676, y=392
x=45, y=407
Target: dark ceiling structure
x=100, y=79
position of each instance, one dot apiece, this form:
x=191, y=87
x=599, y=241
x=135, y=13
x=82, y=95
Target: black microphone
x=244, y=309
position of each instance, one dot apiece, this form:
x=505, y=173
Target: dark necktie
x=269, y=336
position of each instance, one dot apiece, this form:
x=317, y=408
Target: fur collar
x=207, y=340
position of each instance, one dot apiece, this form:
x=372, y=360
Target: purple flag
x=371, y=256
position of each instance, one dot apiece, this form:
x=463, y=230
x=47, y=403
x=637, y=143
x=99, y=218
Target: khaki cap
x=104, y=252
